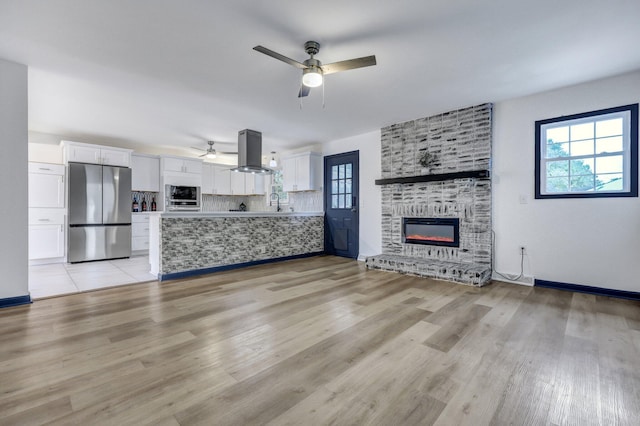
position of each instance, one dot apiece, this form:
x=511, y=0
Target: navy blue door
x=341, y=204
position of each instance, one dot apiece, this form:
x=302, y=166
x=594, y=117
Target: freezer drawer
x=98, y=242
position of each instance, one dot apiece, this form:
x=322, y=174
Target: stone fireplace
x=435, y=181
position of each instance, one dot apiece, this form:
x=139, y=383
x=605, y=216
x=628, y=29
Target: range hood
x=250, y=152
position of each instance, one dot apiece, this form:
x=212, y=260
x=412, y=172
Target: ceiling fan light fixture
x=312, y=77
x=211, y=155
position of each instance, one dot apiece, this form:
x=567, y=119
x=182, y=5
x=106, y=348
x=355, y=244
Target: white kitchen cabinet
x=181, y=165
x=222, y=180
x=46, y=185
x=237, y=183
x=302, y=172
x=145, y=173
x=254, y=184
x=46, y=233
x=96, y=154
x=139, y=232
x=207, y=178
x=180, y=171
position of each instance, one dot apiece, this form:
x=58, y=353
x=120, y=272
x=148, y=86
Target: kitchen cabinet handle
x=44, y=168
x=44, y=220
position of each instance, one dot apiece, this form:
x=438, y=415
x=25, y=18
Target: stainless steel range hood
x=250, y=152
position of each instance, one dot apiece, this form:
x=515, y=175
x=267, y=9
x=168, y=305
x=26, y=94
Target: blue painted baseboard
x=203, y=271
x=15, y=301
x=599, y=291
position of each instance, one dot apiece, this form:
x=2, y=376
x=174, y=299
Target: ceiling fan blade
x=304, y=91
x=199, y=149
x=280, y=57
x=227, y=152
x=203, y=155
x=349, y=64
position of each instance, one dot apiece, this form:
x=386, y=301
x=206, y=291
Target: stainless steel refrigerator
x=99, y=212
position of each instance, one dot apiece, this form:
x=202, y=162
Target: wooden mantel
x=480, y=174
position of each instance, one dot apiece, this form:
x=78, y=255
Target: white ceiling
x=177, y=73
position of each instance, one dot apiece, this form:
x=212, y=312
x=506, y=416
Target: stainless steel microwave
x=182, y=197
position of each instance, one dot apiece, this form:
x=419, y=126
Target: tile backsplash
x=299, y=201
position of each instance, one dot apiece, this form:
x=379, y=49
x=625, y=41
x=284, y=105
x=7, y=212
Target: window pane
x=348, y=171
x=558, y=134
x=334, y=172
x=609, y=127
x=582, y=148
x=341, y=171
x=334, y=186
x=588, y=154
x=558, y=184
x=609, y=164
x=613, y=144
x=347, y=202
x=347, y=188
x=582, y=167
x=555, y=150
x=341, y=201
x=334, y=201
x=341, y=186
x=582, y=131
x=558, y=168
x=609, y=182
x=582, y=183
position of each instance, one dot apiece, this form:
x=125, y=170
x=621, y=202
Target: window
x=341, y=186
x=276, y=187
x=594, y=154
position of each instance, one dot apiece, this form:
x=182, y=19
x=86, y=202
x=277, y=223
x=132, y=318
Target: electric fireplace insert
x=432, y=231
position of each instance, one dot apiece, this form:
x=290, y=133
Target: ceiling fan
x=211, y=152
x=313, y=70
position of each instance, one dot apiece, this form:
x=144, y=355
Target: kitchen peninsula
x=191, y=243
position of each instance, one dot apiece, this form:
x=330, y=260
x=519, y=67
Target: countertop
x=236, y=214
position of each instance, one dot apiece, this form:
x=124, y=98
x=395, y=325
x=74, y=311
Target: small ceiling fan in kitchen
x=211, y=152
x=313, y=71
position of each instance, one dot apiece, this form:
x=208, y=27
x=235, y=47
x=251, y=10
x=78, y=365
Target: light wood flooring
x=320, y=341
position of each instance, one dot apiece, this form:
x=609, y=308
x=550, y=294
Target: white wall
x=13, y=179
x=594, y=242
x=370, y=201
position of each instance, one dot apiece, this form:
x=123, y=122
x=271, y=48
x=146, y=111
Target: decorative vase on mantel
x=426, y=162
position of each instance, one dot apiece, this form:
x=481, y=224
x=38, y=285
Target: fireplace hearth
x=431, y=231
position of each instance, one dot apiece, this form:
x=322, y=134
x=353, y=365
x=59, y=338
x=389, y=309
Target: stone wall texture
x=199, y=243
x=458, y=141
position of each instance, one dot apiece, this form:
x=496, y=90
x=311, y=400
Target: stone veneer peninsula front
x=191, y=243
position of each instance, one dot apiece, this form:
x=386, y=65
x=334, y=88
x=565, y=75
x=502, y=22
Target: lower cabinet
x=139, y=232
x=46, y=233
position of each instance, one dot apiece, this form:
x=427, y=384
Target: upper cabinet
x=96, y=154
x=181, y=171
x=181, y=165
x=302, y=172
x=220, y=180
x=46, y=185
x=145, y=173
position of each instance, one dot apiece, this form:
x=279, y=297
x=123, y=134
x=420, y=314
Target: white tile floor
x=64, y=278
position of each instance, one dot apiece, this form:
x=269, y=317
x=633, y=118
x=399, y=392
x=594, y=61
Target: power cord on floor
x=508, y=277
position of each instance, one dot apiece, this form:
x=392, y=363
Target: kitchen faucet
x=277, y=200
